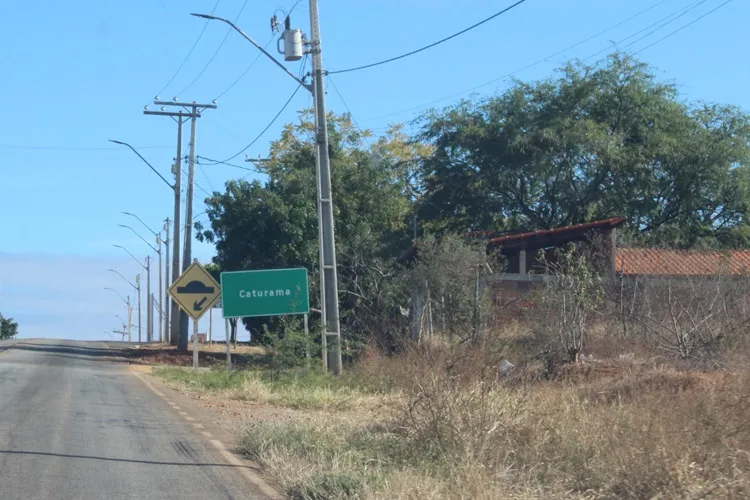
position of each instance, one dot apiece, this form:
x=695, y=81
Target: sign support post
x=196, y=292
x=195, y=343
x=227, y=329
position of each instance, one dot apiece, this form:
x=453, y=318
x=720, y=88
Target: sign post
x=268, y=292
x=227, y=329
x=195, y=291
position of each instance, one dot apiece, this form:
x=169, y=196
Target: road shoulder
x=210, y=425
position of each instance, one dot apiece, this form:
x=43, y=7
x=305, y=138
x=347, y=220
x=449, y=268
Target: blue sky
x=78, y=73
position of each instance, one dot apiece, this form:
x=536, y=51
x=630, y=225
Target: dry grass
x=441, y=425
x=624, y=431
x=298, y=389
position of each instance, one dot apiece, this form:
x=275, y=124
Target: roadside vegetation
x=592, y=386
x=445, y=426
x=8, y=328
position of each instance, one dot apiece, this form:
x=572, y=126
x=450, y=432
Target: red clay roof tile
x=613, y=222
x=652, y=261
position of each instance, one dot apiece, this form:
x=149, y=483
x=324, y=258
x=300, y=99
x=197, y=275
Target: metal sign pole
x=195, y=343
x=227, y=329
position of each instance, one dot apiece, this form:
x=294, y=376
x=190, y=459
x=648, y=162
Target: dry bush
x=444, y=277
x=448, y=428
x=690, y=318
x=565, y=304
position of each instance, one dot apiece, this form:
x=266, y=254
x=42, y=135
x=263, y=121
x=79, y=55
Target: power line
x=203, y=173
x=668, y=19
x=73, y=148
x=242, y=75
x=217, y=162
x=682, y=27
x=265, y=129
x=362, y=133
x=216, y=52
x=493, y=16
x=190, y=52
x=196, y=183
x=528, y=66
x=605, y=30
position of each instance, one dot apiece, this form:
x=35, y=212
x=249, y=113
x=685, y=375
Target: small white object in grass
x=505, y=367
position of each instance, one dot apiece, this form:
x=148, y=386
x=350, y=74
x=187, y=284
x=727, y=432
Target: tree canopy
x=592, y=143
x=274, y=224
x=8, y=328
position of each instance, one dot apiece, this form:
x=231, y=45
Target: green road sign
x=268, y=292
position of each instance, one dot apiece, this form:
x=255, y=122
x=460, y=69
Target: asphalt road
x=75, y=424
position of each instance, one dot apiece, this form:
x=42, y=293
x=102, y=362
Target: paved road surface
x=74, y=424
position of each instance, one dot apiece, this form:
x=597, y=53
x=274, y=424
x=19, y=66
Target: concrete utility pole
x=193, y=110
x=293, y=51
x=161, y=284
x=129, y=308
x=147, y=268
x=136, y=286
x=130, y=320
x=140, y=316
x=175, y=187
x=174, y=311
x=328, y=271
x=156, y=249
x=165, y=312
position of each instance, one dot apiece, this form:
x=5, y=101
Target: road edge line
x=230, y=457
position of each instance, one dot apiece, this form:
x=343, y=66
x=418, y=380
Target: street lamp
x=129, y=310
x=177, y=190
x=157, y=249
x=162, y=291
x=149, y=311
x=328, y=273
x=144, y=160
x=137, y=288
x=124, y=324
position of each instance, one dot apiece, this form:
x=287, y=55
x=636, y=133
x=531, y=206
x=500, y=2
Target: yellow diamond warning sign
x=195, y=291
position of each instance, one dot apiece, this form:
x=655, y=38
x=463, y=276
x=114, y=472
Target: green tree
x=8, y=328
x=595, y=142
x=273, y=223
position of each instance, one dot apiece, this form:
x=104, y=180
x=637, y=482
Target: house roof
x=532, y=240
x=653, y=261
x=552, y=237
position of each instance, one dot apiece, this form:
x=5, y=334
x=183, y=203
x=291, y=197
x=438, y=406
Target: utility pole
x=160, y=289
x=193, y=111
x=130, y=320
x=166, y=288
x=293, y=51
x=140, y=317
x=188, y=252
x=174, y=332
x=328, y=272
x=149, y=305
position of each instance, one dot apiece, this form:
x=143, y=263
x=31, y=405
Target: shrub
x=565, y=303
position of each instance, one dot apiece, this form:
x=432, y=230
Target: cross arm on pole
x=238, y=30
x=144, y=161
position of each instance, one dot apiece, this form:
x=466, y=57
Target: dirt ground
x=208, y=355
